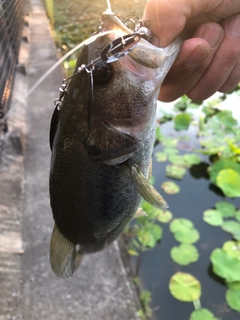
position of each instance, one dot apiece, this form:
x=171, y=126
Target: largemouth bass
x=102, y=142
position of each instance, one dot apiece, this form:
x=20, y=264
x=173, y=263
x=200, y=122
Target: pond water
x=156, y=268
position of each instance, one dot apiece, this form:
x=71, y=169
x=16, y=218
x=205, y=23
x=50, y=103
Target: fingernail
x=212, y=35
x=197, y=56
x=234, y=26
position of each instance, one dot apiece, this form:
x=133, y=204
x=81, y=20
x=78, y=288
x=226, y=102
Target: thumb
x=168, y=18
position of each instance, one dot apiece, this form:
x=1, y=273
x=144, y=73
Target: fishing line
x=109, y=5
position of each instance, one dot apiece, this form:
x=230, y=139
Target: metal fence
x=11, y=22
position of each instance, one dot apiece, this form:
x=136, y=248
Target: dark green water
x=196, y=196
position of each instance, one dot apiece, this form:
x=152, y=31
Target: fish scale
x=102, y=142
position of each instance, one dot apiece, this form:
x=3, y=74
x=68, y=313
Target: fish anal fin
x=62, y=254
x=146, y=190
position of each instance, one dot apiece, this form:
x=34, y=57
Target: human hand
x=209, y=60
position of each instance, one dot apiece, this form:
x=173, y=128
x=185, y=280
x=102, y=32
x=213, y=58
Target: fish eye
x=102, y=73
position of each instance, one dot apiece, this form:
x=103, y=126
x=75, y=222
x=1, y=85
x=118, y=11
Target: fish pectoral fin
x=146, y=190
x=140, y=213
x=62, y=254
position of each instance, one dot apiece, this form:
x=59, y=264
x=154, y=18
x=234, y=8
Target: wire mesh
x=11, y=22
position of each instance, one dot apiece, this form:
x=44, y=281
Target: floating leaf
x=225, y=266
x=187, y=235
x=170, y=187
x=227, y=209
x=191, y=159
x=176, y=172
x=235, y=286
x=169, y=142
x=212, y=217
x=232, y=227
x=232, y=248
x=176, y=159
x=202, y=314
x=169, y=151
x=184, y=254
x=229, y=181
x=149, y=235
x=180, y=223
x=182, y=121
x=220, y=165
x=164, y=216
x=185, y=287
x=237, y=215
x=161, y=156
x=233, y=299
x=226, y=118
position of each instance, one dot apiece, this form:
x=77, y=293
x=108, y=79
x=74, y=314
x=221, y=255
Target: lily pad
x=202, y=314
x=185, y=287
x=228, y=180
x=184, y=254
x=225, y=266
x=176, y=172
x=232, y=227
x=169, y=151
x=234, y=285
x=170, y=187
x=220, y=165
x=213, y=217
x=161, y=156
x=182, y=121
x=191, y=159
x=180, y=223
x=237, y=215
x=227, y=209
x=176, y=159
x=232, y=248
x=164, y=216
x=233, y=299
x=226, y=118
x=187, y=235
x=169, y=142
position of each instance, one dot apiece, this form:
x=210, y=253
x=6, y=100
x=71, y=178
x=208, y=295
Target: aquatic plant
x=187, y=288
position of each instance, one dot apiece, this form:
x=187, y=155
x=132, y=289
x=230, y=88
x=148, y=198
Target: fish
x=102, y=135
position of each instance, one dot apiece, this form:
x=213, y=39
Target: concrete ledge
x=100, y=289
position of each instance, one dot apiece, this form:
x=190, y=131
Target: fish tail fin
x=62, y=254
x=78, y=260
x=146, y=190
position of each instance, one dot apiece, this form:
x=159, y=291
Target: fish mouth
x=143, y=51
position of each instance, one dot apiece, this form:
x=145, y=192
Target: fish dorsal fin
x=53, y=126
x=146, y=190
x=62, y=254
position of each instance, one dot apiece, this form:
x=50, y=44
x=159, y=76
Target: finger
x=233, y=80
x=223, y=72
x=187, y=69
x=169, y=18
